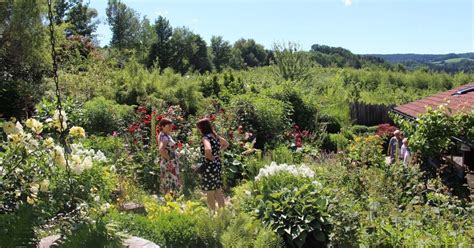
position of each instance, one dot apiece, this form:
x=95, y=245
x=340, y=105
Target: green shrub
x=103, y=116
x=366, y=151
x=332, y=124
x=360, y=129
x=304, y=114
x=269, y=118
x=171, y=229
x=287, y=199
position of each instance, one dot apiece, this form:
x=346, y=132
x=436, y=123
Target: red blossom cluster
x=385, y=130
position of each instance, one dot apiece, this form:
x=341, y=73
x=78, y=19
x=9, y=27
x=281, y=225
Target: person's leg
x=211, y=200
x=220, y=198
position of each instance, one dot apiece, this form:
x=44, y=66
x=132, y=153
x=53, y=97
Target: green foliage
x=268, y=117
x=245, y=231
x=291, y=204
x=103, y=116
x=90, y=233
x=125, y=25
x=291, y=63
x=17, y=229
x=23, y=57
x=221, y=52
x=304, y=115
x=431, y=133
x=366, y=151
x=170, y=230
x=252, y=53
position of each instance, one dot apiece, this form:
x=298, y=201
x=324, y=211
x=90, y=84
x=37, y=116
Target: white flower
x=58, y=156
x=57, y=121
x=87, y=163
x=99, y=156
x=274, y=169
x=8, y=127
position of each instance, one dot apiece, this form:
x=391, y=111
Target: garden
x=79, y=147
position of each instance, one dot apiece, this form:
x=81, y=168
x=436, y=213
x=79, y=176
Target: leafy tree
x=81, y=18
x=162, y=49
x=146, y=39
x=125, y=25
x=23, y=57
x=252, y=54
x=190, y=52
x=221, y=52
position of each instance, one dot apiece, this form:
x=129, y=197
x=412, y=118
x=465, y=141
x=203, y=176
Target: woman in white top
x=405, y=152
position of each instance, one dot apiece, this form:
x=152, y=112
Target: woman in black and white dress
x=211, y=173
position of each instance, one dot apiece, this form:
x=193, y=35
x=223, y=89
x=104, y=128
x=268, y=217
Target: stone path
x=132, y=242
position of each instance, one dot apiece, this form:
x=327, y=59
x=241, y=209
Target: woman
x=169, y=168
x=212, y=171
x=406, y=152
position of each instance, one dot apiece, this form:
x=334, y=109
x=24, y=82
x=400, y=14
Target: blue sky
x=362, y=26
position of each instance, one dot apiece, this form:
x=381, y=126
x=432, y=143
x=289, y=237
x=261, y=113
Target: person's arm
x=207, y=149
x=224, y=143
x=162, y=148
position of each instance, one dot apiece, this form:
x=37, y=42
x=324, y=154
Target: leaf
x=319, y=236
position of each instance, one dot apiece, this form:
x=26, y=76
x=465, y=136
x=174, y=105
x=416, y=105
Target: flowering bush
x=39, y=174
x=289, y=199
x=366, y=151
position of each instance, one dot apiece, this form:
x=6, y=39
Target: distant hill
x=450, y=63
x=328, y=56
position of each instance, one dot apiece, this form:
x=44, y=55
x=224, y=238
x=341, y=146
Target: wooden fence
x=370, y=114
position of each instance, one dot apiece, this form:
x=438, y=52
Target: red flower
x=141, y=109
x=146, y=122
x=174, y=127
x=159, y=117
x=180, y=145
x=132, y=128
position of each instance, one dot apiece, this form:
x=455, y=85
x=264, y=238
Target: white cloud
x=348, y=2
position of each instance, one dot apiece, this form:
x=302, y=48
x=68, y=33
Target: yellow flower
x=48, y=142
x=77, y=132
x=16, y=138
x=44, y=185
x=34, y=125
x=8, y=127
x=34, y=188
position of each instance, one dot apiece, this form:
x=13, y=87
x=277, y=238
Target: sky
x=362, y=26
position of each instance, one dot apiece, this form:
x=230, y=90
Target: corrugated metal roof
x=457, y=103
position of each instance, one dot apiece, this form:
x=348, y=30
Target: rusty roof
x=461, y=102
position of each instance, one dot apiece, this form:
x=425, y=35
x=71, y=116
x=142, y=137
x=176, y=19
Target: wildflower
x=8, y=127
x=77, y=132
x=34, y=125
x=99, y=156
x=48, y=142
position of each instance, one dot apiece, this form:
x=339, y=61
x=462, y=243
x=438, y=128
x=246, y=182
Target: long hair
x=205, y=127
